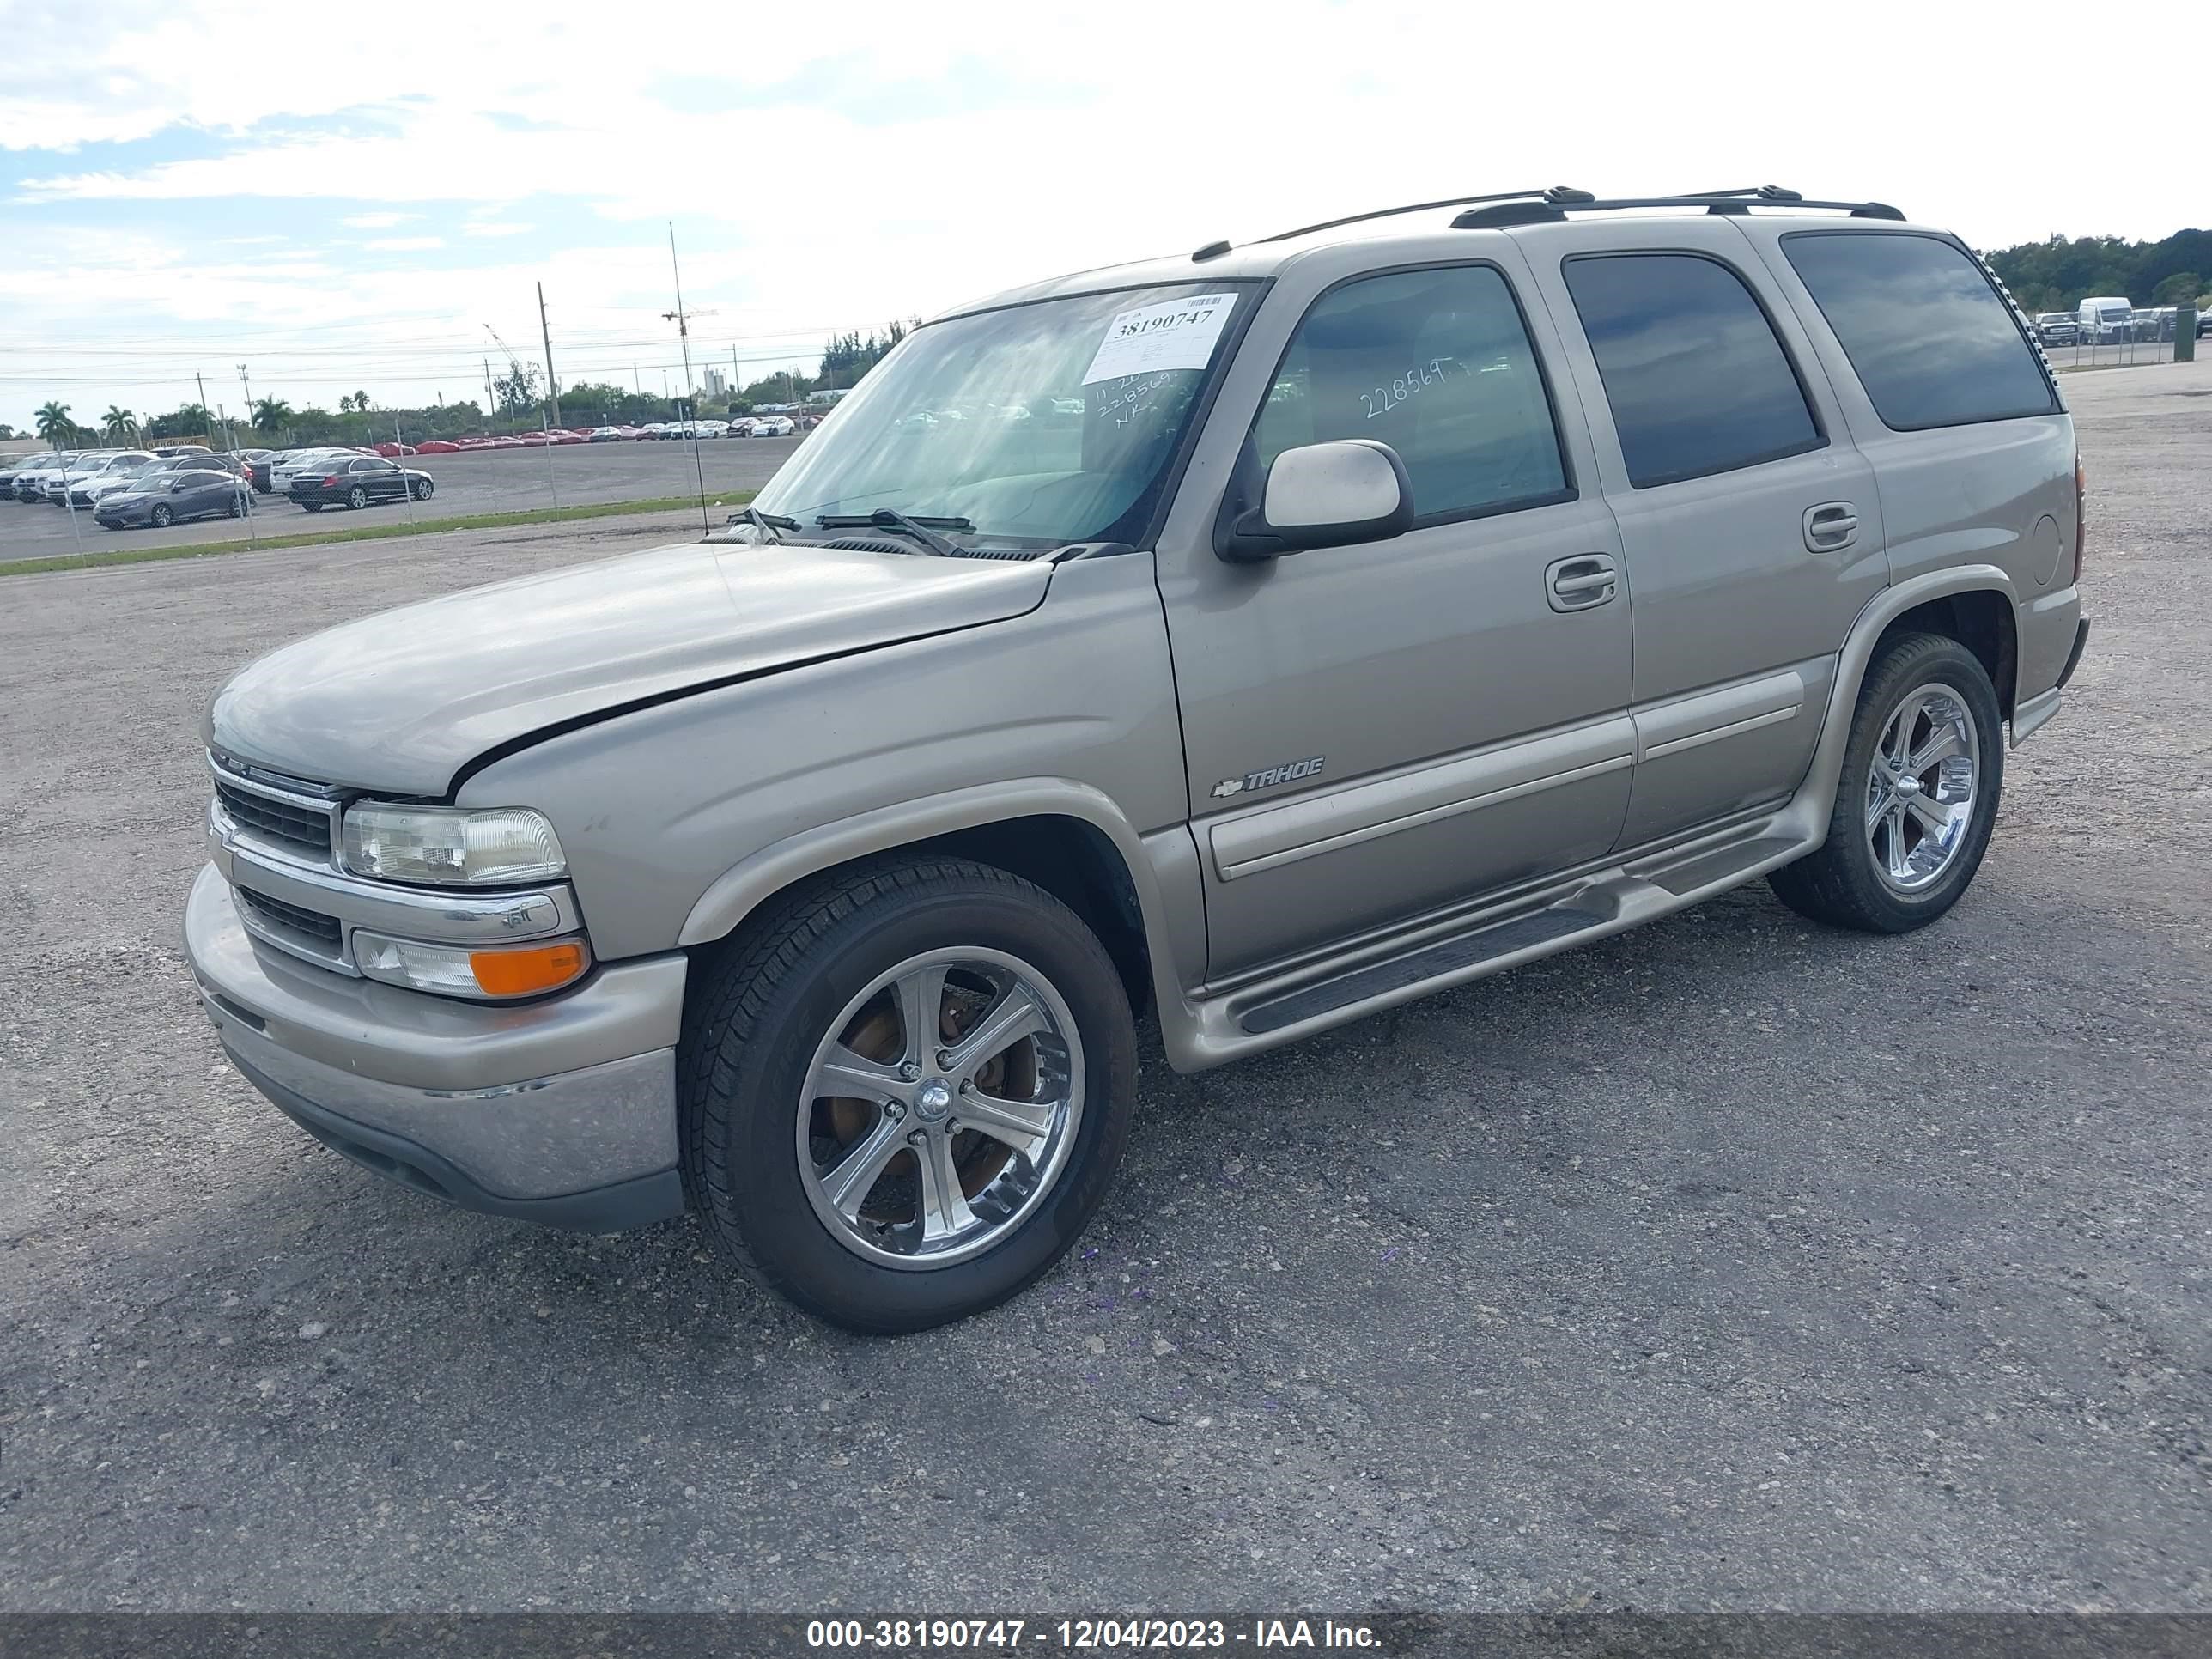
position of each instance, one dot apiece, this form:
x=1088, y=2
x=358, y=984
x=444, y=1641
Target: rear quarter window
x=1928, y=336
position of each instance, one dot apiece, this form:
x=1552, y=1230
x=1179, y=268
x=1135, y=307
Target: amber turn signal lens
x=522, y=972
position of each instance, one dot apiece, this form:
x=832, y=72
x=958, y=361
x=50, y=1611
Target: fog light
x=456, y=970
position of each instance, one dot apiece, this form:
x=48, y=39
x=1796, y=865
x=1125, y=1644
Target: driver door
x=1375, y=731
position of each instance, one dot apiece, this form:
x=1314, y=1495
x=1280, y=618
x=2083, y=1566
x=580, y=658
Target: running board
x=1605, y=902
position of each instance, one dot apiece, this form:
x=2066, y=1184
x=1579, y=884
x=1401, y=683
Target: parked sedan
x=294, y=462
x=356, y=481
x=161, y=499
x=774, y=426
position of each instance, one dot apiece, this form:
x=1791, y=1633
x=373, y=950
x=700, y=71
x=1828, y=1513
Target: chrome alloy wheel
x=1921, y=787
x=940, y=1107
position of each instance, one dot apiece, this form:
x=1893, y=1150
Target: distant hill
x=2057, y=275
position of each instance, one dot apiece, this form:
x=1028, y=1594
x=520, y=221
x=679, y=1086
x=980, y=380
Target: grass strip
x=369, y=533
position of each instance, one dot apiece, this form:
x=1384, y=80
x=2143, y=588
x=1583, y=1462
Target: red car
x=436, y=447
x=393, y=451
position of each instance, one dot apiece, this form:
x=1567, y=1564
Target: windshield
x=1039, y=424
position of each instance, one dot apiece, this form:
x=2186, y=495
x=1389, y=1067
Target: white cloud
x=902, y=170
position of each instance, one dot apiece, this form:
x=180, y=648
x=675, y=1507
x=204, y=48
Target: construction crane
x=522, y=376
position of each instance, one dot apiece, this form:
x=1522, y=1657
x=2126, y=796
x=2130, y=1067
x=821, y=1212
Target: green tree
x=359, y=403
x=117, y=423
x=2180, y=289
x=54, y=424
x=191, y=421
x=517, y=389
x=270, y=413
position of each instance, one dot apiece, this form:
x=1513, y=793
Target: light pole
x=248, y=384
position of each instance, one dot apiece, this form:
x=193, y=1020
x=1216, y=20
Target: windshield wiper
x=923, y=529
x=770, y=523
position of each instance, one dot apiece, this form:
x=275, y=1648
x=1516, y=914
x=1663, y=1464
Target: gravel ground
x=1731, y=1263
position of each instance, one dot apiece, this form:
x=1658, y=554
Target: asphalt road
x=1730, y=1263
x=488, y=481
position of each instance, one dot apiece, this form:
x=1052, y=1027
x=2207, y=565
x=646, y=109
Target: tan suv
x=1260, y=637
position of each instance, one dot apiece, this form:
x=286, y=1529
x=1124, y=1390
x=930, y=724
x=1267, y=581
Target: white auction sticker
x=1172, y=334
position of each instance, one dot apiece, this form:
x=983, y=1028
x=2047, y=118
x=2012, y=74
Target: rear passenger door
x=1375, y=731
x=1750, y=524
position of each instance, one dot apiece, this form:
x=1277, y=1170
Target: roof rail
x=1526, y=212
x=1565, y=191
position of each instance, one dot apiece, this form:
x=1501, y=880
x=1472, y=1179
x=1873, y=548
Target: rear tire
x=162, y=517
x=1922, y=774
x=824, y=978
x=312, y=506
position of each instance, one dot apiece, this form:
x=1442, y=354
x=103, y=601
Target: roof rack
x=1414, y=207
x=1554, y=205
x=1533, y=207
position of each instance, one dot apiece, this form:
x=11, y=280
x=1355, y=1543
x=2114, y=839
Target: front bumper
x=562, y=1110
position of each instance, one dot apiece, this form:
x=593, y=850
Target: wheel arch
x=1067, y=837
x=1978, y=597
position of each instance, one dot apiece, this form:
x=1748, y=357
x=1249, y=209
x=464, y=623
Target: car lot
x=484, y=480
x=1727, y=1263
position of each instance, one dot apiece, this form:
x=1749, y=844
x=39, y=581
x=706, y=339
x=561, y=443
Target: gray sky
x=344, y=198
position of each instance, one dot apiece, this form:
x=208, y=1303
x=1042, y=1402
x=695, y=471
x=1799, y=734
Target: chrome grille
x=305, y=828
x=319, y=933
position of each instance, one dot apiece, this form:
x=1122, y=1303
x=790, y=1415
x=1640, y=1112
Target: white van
x=2107, y=317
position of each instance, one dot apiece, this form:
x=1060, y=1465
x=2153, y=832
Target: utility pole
x=200, y=381
x=733, y=372
x=248, y=384
x=545, y=333
x=637, y=380
x=488, y=397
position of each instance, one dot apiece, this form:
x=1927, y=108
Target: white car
x=85, y=489
x=774, y=426
x=604, y=434
x=31, y=483
x=714, y=428
x=77, y=470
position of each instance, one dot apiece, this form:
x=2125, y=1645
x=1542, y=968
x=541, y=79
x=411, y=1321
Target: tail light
x=332, y=479
x=2080, y=511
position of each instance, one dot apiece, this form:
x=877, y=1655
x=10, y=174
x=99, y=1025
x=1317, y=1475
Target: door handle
x=1831, y=526
x=1577, y=584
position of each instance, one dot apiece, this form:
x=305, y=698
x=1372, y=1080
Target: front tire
x=424, y=489
x=163, y=518
x=1922, y=774
x=904, y=1092
x=356, y=498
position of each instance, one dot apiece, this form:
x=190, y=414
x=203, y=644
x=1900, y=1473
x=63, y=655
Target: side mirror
x=1327, y=495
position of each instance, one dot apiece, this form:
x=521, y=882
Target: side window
x=1927, y=335
x=1438, y=365
x=1696, y=381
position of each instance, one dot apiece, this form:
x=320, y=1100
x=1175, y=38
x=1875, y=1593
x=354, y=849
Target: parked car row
x=162, y=486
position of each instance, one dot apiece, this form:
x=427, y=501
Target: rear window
x=1930, y=338
x=1696, y=378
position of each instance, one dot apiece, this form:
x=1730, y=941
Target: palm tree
x=270, y=413
x=361, y=402
x=54, y=423
x=117, y=423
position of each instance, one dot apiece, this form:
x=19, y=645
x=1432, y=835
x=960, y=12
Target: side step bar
x=1605, y=902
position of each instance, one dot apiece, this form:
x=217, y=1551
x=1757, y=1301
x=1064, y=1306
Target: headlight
x=456, y=970
x=451, y=845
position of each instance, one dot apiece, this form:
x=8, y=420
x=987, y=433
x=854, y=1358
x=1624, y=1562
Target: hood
x=400, y=703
